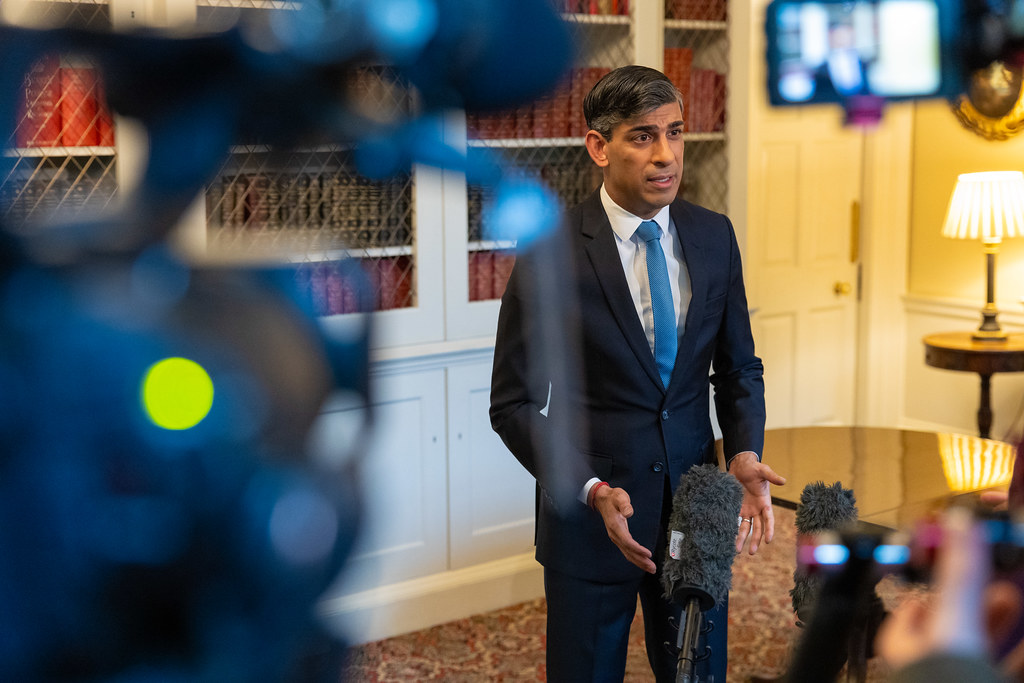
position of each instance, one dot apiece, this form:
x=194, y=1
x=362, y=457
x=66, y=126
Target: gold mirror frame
x=994, y=106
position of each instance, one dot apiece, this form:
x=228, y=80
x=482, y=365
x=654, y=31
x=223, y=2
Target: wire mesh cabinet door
x=315, y=206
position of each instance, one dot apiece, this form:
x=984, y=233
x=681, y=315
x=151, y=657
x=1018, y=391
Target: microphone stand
x=696, y=601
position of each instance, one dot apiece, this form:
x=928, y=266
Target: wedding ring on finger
x=740, y=520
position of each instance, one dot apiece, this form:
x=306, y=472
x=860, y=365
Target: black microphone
x=697, y=572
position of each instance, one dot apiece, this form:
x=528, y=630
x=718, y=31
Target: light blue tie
x=662, y=307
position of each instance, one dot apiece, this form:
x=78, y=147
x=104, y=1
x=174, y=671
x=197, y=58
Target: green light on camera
x=177, y=393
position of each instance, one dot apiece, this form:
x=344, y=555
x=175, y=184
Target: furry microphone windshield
x=822, y=508
x=702, y=536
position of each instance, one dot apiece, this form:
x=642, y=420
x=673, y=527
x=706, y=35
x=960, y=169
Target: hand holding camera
x=972, y=617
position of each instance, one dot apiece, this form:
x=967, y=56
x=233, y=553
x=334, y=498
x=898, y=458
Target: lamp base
x=989, y=336
x=989, y=330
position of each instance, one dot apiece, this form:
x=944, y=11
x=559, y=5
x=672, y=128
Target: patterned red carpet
x=508, y=644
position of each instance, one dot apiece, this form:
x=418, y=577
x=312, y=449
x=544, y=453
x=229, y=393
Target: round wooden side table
x=960, y=351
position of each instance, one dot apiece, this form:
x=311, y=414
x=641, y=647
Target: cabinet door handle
x=841, y=288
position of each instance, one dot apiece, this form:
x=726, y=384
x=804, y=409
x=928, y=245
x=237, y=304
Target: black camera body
x=910, y=554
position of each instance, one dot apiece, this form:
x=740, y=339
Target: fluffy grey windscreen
x=825, y=508
x=704, y=512
x=822, y=507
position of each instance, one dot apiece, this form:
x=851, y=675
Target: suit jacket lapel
x=697, y=267
x=604, y=257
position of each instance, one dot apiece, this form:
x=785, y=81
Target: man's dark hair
x=626, y=93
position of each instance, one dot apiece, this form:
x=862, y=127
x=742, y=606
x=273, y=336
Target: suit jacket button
x=658, y=466
x=664, y=415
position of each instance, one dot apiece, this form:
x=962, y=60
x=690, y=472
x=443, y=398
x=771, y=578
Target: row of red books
x=561, y=113
x=596, y=6
x=703, y=91
x=389, y=281
x=558, y=115
x=63, y=104
x=488, y=273
x=707, y=10
x=707, y=101
x=701, y=10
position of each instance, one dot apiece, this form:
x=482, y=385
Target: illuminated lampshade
x=988, y=207
x=971, y=463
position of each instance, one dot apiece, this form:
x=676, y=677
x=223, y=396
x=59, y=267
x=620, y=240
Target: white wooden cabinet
x=491, y=496
x=404, y=483
x=448, y=512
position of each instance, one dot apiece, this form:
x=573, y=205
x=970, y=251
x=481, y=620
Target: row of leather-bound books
x=620, y=7
x=388, y=282
x=703, y=91
x=488, y=273
x=560, y=114
x=357, y=212
x=50, y=193
x=62, y=104
x=713, y=10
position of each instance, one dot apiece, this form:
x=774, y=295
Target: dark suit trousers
x=588, y=627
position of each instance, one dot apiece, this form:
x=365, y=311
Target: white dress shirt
x=633, y=254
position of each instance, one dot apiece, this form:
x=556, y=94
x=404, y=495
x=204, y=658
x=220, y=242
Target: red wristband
x=593, y=491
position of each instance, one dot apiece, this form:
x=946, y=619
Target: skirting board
x=431, y=600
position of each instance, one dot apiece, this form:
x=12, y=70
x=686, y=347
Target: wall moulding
x=968, y=310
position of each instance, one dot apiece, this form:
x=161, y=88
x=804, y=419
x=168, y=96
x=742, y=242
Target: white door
x=805, y=189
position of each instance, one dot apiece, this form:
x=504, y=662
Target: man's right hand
x=615, y=509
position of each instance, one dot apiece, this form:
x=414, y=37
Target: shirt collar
x=624, y=224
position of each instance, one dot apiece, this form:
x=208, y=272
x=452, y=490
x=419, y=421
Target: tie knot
x=648, y=231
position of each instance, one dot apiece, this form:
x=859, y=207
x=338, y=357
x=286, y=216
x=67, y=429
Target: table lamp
x=987, y=206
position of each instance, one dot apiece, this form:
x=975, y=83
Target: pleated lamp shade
x=987, y=206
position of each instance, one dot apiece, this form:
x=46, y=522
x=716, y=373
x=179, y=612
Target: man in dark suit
x=640, y=399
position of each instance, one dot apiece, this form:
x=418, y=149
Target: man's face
x=643, y=162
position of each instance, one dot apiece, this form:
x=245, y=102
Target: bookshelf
x=422, y=235
x=542, y=141
x=61, y=158
x=312, y=205
x=696, y=33
x=545, y=140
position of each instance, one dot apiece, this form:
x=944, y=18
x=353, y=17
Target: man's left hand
x=756, y=511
